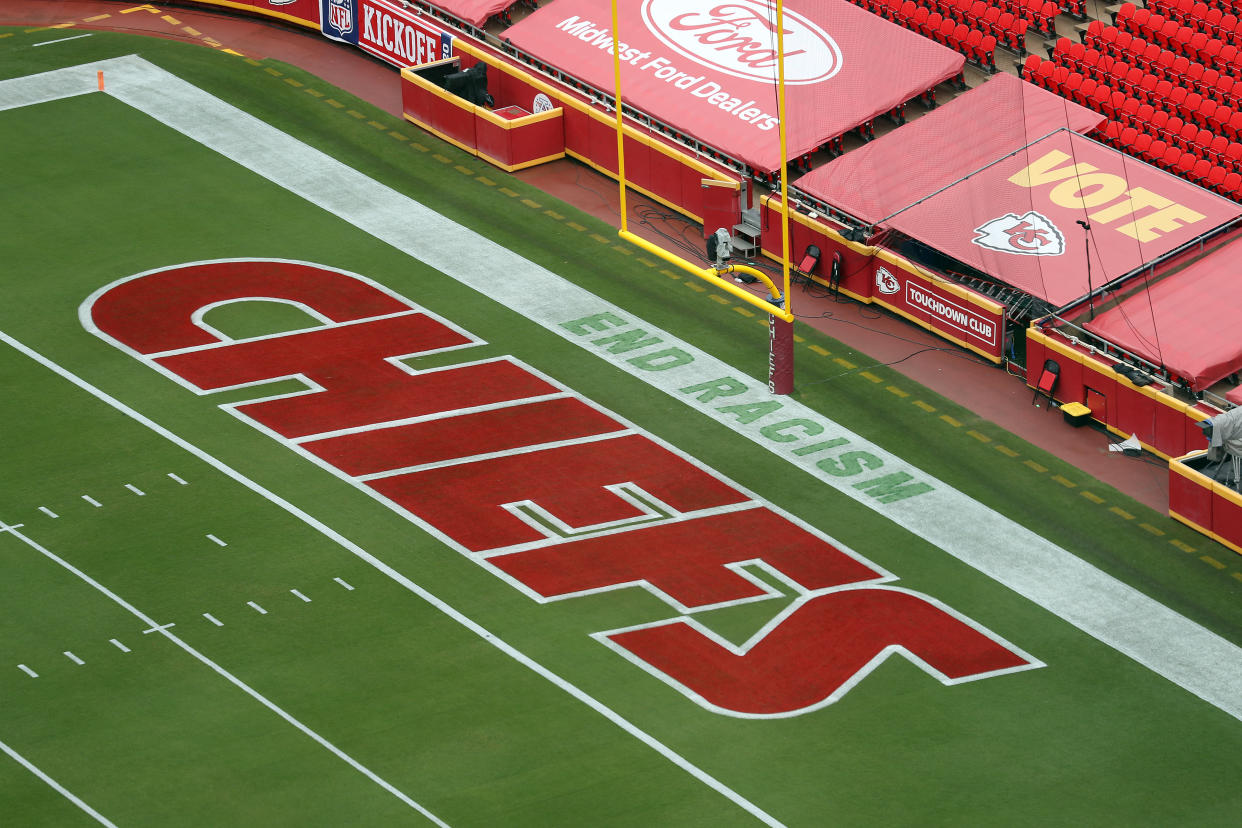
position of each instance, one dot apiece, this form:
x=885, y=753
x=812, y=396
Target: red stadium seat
x=1030, y=70
x=1202, y=141
x=1158, y=123
x=1188, y=164
x=1186, y=137
x=1200, y=171
x=1206, y=112
x=1172, y=129
x=1168, y=160
x=1145, y=114
x=1210, y=52
x=1216, y=150
x=1126, y=138
x=1109, y=133
x=1140, y=145
x=1154, y=150
x=1126, y=11
x=1233, y=156
x=1214, y=176
x=1230, y=185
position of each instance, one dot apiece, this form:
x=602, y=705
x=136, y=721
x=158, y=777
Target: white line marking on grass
x=59, y=788
x=135, y=490
x=48, y=512
x=74, y=658
x=119, y=645
x=256, y=608
x=212, y=619
x=216, y=540
x=482, y=632
x=300, y=595
x=92, y=501
x=60, y=40
x=158, y=628
x=226, y=675
x=178, y=479
x=27, y=671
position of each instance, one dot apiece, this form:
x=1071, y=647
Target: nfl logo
x=341, y=15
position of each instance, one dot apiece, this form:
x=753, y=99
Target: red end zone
x=463, y=450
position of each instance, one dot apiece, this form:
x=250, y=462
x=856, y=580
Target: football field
x=349, y=481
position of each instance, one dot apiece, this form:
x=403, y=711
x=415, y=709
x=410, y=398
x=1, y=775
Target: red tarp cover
x=1017, y=220
x=1188, y=322
x=878, y=179
x=709, y=70
x=474, y=12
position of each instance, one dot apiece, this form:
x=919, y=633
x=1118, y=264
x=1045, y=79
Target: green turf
x=154, y=737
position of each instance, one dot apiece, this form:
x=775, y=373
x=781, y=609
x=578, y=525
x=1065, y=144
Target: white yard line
x=56, y=786
x=232, y=679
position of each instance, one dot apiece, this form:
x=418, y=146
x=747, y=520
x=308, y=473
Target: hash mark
x=257, y=608
x=135, y=490
x=27, y=671
x=178, y=479
x=119, y=645
x=216, y=540
x=74, y=658
x=48, y=512
x=92, y=501
x=212, y=619
x=300, y=595
x=342, y=583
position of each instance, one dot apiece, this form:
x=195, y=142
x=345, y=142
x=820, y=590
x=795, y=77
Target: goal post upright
x=777, y=307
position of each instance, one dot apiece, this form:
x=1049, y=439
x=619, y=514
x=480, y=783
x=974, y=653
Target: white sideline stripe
x=178, y=479
x=48, y=512
x=1114, y=613
x=232, y=679
x=256, y=608
x=92, y=501
x=300, y=595
x=135, y=490
x=212, y=619
x=216, y=540
x=119, y=645
x=68, y=654
x=476, y=628
x=59, y=40
x=27, y=671
x=56, y=786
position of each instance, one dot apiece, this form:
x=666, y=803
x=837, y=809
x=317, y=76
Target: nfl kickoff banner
x=385, y=30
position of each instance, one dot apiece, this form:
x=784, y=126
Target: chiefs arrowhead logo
x=1029, y=235
x=886, y=282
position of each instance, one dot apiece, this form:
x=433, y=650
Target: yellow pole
x=710, y=275
x=780, y=114
x=616, y=68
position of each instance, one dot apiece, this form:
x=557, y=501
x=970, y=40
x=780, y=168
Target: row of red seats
x=909, y=14
x=1135, y=101
x=1193, y=13
x=978, y=46
x=1006, y=20
x=1170, y=34
x=1219, y=178
x=1221, y=82
x=1127, y=123
x=1042, y=14
x=1155, y=78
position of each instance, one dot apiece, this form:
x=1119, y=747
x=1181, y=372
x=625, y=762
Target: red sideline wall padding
x=1163, y=423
